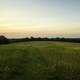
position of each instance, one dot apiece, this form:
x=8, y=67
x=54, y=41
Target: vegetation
x=3, y=40
x=37, y=60
x=77, y=40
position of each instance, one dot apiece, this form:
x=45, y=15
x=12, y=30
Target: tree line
x=4, y=40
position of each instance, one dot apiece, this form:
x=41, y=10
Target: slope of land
x=37, y=60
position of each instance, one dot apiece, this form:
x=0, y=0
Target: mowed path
x=37, y=60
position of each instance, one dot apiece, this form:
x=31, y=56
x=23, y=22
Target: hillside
x=37, y=60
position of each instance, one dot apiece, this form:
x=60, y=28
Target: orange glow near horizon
x=40, y=17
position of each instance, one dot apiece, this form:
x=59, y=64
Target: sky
x=44, y=18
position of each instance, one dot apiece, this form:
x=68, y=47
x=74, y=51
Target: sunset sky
x=44, y=18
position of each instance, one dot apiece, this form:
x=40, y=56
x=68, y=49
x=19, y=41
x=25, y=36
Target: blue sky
x=40, y=18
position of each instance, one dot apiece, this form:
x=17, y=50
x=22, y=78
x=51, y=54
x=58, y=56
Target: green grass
x=40, y=61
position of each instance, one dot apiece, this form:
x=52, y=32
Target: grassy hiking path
x=40, y=61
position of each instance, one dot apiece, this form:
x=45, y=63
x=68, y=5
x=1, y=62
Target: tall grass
x=40, y=61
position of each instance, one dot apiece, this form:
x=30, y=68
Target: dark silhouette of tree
x=3, y=40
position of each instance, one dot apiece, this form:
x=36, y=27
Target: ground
x=40, y=60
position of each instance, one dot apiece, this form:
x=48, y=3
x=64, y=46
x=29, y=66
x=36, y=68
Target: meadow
x=40, y=60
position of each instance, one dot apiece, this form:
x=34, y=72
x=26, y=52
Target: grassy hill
x=43, y=60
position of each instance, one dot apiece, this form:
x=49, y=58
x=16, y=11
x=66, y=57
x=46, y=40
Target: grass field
x=40, y=61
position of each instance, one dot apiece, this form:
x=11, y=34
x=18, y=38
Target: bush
x=3, y=40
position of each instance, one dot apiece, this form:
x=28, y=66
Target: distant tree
x=3, y=40
x=32, y=38
x=57, y=38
